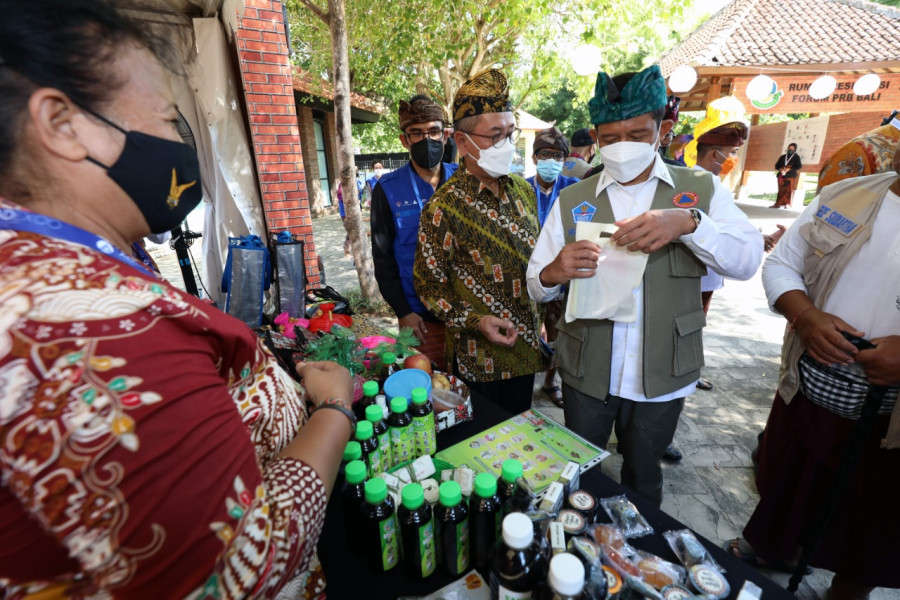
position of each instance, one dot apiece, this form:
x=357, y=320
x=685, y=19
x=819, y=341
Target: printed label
x=403, y=444
x=423, y=427
x=462, y=546
x=375, y=462
x=384, y=445
x=582, y=501
x=390, y=547
x=505, y=594
x=426, y=548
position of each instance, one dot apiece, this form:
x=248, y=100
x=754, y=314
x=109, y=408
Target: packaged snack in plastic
x=642, y=587
x=658, y=572
x=608, y=534
x=689, y=550
x=596, y=581
x=626, y=517
x=619, y=562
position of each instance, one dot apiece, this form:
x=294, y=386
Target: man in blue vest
x=397, y=201
x=549, y=152
x=635, y=372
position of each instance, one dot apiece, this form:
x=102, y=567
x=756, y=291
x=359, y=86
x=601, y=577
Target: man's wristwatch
x=696, y=215
x=338, y=405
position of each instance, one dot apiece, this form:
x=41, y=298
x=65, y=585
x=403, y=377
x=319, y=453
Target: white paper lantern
x=867, y=84
x=760, y=87
x=822, y=87
x=683, y=79
x=586, y=59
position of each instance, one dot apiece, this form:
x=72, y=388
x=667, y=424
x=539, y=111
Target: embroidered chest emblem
x=685, y=199
x=584, y=212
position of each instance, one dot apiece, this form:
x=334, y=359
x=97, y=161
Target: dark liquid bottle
x=403, y=442
x=484, y=518
x=352, y=452
x=565, y=581
x=371, y=452
x=416, y=533
x=370, y=391
x=353, y=495
x=388, y=367
x=378, y=535
x=422, y=413
x=517, y=565
x=506, y=487
x=451, y=519
x=382, y=436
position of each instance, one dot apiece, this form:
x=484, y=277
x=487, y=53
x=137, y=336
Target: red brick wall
x=765, y=145
x=266, y=75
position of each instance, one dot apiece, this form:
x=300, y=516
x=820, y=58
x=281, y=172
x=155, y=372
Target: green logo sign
x=769, y=101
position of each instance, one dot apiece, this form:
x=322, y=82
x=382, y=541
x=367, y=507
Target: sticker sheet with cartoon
x=542, y=445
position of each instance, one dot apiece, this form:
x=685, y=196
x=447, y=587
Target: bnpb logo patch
x=685, y=200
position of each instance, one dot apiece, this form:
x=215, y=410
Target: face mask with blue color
x=549, y=169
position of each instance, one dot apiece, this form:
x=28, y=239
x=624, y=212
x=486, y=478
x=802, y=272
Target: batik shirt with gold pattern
x=140, y=439
x=471, y=259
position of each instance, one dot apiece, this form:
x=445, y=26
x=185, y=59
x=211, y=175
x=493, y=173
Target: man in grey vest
x=635, y=375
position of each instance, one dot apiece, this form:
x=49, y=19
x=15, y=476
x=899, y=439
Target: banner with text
x=791, y=95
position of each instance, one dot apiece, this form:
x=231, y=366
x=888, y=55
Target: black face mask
x=162, y=177
x=427, y=153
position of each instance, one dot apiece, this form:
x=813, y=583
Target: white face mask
x=496, y=162
x=626, y=160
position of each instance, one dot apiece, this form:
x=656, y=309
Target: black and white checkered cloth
x=840, y=389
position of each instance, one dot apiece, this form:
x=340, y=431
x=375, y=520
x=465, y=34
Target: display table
x=348, y=577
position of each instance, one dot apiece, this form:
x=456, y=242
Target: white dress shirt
x=712, y=281
x=724, y=240
x=867, y=293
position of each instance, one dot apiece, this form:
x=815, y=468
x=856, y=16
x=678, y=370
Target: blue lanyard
x=20, y=220
x=415, y=187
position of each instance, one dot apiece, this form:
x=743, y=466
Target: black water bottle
x=484, y=519
x=416, y=533
x=451, y=519
x=517, y=564
x=353, y=495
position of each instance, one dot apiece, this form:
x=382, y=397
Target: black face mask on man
x=427, y=153
x=162, y=177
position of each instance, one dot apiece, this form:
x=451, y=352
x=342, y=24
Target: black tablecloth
x=348, y=577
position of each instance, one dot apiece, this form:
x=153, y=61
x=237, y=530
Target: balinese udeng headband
x=729, y=134
x=487, y=92
x=645, y=92
x=420, y=110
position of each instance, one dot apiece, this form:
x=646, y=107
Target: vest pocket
x=688, y=343
x=570, y=348
x=683, y=262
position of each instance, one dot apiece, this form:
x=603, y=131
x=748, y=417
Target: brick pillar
x=275, y=134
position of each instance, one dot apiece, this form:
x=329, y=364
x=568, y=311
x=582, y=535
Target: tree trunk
x=353, y=222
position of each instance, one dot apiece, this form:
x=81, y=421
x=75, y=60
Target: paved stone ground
x=712, y=489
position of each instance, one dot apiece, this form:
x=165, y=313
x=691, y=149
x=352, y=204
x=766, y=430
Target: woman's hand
x=820, y=333
x=324, y=380
x=882, y=363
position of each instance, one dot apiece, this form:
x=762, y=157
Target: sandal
x=554, y=394
x=741, y=550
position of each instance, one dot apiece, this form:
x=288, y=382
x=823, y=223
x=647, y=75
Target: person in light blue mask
x=549, y=152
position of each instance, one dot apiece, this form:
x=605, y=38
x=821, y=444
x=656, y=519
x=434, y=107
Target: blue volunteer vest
x=406, y=194
x=544, y=201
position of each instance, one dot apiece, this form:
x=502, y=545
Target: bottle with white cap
x=517, y=564
x=565, y=580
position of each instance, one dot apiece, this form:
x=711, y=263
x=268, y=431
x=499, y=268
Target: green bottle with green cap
x=485, y=516
x=388, y=367
x=380, y=428
x=403, y=440
x=451, y=518
x=380, y=536
x=422, y=413
x=370, y=391
x=506, y=487
x=371, y=452
x=352, y=451
x=416, y=532
x=353, y=495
